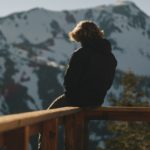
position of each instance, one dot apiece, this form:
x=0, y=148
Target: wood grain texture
x=119, y=113
x=17, y=139
x=15, y=130
x=10, y=122
x=76, y=137
x=70, y=132
x=50, y=135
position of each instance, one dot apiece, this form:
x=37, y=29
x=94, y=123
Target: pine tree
x=129, y=135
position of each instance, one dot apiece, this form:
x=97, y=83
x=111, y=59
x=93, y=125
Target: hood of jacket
x=99, y=45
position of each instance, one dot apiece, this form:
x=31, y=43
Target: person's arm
x=74, y=71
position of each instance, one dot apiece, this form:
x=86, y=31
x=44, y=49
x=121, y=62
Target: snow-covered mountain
x=34, y=49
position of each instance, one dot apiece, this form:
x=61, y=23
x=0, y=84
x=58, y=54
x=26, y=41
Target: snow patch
x=2, y=66
x=131, y=41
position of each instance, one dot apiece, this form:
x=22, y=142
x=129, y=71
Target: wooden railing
x=16, y=130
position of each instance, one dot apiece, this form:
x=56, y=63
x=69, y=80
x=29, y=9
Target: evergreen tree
x=129, y=135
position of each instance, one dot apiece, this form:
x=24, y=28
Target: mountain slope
x=34, y=49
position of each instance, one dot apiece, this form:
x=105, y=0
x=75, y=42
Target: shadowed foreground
x=17, y=129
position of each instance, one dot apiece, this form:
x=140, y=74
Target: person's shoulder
x=79, y=54
x=78, y=51
x=106, y=41
x=107, y=45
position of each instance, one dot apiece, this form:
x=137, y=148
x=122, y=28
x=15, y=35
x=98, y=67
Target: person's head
x=85, y=31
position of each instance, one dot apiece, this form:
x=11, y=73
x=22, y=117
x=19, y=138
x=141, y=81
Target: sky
x=10, y=6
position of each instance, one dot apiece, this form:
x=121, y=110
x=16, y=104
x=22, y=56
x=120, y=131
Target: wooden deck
x=16, y=130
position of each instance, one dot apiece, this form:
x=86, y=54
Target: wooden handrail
x=119, y=113
x=15, y=130
x=10, y=122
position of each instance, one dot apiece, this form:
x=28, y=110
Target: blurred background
x=35, y=49
x=21, y=5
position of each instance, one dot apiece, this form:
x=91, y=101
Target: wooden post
x=70, y=133
x=76, y=132
x=17, y=139
x=2, y=143
x=81, y=131
x=50, y=135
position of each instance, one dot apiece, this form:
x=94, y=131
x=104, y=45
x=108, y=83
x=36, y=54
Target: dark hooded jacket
x=90, y=73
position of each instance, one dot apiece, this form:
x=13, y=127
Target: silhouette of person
x=91, y=68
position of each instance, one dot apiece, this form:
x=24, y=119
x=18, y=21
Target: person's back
x=91, y=68
x=87, y=82
x=90, y=72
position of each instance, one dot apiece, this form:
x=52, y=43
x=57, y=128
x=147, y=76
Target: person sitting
x=91, y=69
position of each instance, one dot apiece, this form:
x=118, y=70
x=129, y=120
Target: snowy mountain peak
x=34, y=48
x=124, y=2
x=33, y=29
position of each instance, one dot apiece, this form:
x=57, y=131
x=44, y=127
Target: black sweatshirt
x=90, y=73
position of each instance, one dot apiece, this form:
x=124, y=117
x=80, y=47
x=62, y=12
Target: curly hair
x=85, y=30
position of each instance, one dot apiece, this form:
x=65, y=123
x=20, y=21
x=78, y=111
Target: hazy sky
x=10, y=6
